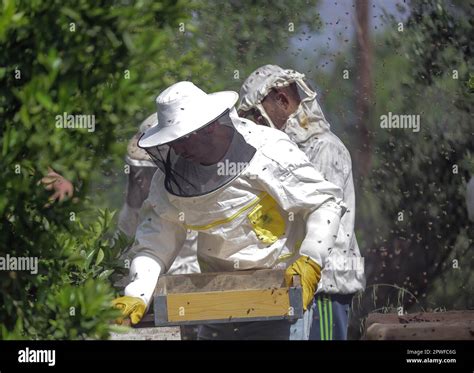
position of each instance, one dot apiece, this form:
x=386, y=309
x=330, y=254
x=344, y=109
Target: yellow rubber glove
x=310, y=274
x=131, y=307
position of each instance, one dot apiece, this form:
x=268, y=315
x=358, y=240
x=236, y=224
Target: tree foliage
x=106, y=60
x=425, y=240
x=240, y=36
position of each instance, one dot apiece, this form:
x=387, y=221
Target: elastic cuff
x=144, y=273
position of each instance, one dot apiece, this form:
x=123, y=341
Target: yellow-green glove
x=131, y=307
x=310, y=274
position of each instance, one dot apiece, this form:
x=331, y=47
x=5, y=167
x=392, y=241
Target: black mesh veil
x=186, y=178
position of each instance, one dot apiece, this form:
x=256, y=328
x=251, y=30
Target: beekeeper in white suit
x=281, y=99
x=250, y=193
x=141, y=171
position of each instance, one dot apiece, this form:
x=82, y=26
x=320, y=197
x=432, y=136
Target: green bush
x=106, y=59
x=77, y=303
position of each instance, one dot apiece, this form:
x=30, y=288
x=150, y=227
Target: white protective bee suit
x=142, y=169
x=273, y=209
x=343, y=269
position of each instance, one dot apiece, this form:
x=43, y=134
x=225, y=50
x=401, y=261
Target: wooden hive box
x=451, y=325
x=208, y=298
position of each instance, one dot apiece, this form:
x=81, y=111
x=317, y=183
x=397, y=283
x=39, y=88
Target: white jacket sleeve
x=332, y=160
x=159, y=237
x=299, y=188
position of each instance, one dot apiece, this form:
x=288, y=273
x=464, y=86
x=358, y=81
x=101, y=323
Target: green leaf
x=100, y=257
x=105, y=274
x=71, y=13
x=89, y=258
x=44, y=100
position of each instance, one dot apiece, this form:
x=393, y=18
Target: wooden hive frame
x=221, y=297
